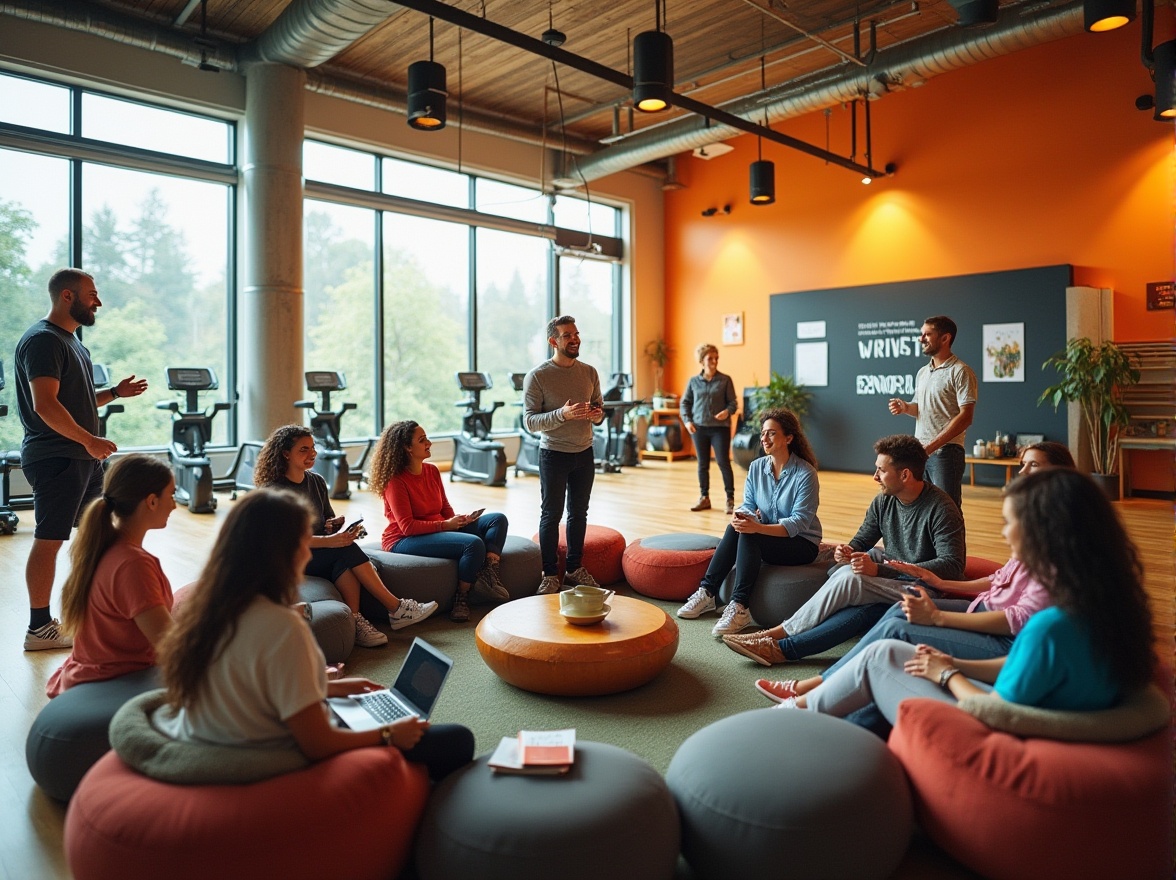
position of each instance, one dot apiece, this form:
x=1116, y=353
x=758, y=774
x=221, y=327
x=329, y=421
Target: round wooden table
x=528, y=644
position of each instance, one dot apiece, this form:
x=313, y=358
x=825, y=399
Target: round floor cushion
x=779, y=590
x=603, y=550
x=668, y=566
x=122, y=825
x=610, y=816
x=790, y=793
x=70, y=734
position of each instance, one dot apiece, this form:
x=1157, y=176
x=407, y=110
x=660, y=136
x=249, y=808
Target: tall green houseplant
x=1094, y=376
x=782, y=392
x=658, y=351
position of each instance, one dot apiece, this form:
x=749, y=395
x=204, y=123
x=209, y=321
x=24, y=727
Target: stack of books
x=535, y=753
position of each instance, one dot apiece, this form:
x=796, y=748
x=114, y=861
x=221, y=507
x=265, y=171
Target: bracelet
x=945, y=676
x=386, y=735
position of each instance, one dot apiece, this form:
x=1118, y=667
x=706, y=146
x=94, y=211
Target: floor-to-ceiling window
x=141, y=197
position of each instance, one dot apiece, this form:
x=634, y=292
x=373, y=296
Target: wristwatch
x=945, y=676
x=386, y=735
x=114, y=391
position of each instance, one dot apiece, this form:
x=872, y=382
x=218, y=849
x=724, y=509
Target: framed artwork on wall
x=733, y=329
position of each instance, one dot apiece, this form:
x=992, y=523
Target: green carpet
x=705, y=682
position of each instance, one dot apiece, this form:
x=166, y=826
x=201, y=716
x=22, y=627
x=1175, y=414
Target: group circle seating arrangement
x=610, y=816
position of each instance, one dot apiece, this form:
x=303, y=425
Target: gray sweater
x=928, y=532
x=545, y=390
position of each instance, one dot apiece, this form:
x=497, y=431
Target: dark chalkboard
x=873, y=354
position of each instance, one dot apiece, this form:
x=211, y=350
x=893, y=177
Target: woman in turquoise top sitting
x=1084, y=653
x=776, y=523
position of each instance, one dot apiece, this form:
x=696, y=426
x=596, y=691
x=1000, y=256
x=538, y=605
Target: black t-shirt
x=314, y=489
x=46, y=350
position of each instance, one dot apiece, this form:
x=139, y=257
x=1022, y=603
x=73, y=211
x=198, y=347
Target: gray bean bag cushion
x=780, y=589
x=790, y=793
x=71, y=733
x=331, y=620
x=610, y=817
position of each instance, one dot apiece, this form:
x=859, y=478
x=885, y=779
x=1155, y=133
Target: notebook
x=415, y=692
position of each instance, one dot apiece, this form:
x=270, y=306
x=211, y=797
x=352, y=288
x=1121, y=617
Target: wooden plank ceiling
x=717, y=48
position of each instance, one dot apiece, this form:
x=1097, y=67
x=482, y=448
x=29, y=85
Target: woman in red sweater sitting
x=117, y=601
x=422, y=523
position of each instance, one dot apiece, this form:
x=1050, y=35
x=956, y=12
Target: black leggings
x=332, y=562
x=720, y=439
x=443, y=749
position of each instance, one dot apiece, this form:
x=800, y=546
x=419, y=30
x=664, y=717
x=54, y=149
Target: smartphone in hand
x=912, y=591
x=354, y=524
x=477, y=513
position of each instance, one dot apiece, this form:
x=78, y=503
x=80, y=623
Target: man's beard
x=81, y=313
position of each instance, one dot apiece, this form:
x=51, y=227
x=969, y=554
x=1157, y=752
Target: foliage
x=659, y=352
x=1094, y=376
x=782, y=392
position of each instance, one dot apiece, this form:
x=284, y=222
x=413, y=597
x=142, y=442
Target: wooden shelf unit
x=1152, y=404
x=668, y=417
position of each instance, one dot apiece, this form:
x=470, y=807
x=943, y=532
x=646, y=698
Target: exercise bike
x=475, y=456
x=331, y=463
x=527, y=460
x=191, y=434
x=613, y=446
x=9, y=461
x=101, y=383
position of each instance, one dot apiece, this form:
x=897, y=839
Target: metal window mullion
x=378, y=306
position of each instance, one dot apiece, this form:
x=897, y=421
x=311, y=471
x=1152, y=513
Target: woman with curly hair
x=242, y=668
x=285, y=462
x=117, y=601
x=421, y=521
x=776, y=523
x=706, y=409
x=1088, y=650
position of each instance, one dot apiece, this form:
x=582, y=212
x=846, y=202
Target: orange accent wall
x=1032, y=159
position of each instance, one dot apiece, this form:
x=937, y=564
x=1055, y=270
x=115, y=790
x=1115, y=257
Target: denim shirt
x=703, y=399
x=790, y=501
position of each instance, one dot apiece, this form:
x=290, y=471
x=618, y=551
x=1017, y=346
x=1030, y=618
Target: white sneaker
x=699, y=603
x=581, y=577
x=366, y=635
x=787, y=703
x=735, y=619
x=410, y=612
x=47, y=638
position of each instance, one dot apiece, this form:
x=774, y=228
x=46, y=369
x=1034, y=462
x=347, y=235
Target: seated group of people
x=1063, y=625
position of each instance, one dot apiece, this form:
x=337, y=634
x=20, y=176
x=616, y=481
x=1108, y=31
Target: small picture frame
x=733, y=329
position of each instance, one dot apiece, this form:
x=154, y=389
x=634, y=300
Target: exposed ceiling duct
x=915, y=62
x=310, y=32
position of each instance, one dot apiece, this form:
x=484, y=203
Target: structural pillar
x=270, y=316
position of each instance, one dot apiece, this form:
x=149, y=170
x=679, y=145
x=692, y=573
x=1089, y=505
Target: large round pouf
x=790, y=793
x=668, y=566
x=603, y=550
x=611, y=816
x=779, y=590
x=71, y=732
x=122, y=825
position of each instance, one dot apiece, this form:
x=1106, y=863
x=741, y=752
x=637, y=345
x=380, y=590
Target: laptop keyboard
x=383, y=708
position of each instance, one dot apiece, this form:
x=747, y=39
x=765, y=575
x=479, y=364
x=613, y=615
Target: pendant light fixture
x=1107, y=15
x=653, y=67
x=762, y=172
x=426, y=91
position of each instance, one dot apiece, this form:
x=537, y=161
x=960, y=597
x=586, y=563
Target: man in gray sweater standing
x=561, y=401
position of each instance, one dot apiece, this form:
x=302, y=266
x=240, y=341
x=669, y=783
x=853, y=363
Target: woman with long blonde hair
x=116, y=601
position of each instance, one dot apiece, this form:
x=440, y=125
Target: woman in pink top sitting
x=421, y=521
x=117, y=601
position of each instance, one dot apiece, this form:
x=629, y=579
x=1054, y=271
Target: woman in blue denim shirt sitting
x=776, y=523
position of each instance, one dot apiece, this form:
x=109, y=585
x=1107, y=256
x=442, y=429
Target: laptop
x=415, y=692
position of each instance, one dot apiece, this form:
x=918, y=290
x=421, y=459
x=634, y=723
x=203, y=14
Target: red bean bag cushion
x=976, y=567
x=353, y=815
x=1029, y=808
x=603, y=549
x=668, y=566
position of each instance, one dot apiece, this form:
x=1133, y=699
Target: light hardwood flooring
x=648, y=500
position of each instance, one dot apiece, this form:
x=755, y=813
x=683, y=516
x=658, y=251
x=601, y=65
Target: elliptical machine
x=8, y=462
x=613, y=447
x=475, y=456
x=527, y=459
x=331, y=463
x=191, y=433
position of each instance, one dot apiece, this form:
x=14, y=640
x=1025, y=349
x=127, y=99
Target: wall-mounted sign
x=1160, y=295
x=1004, y=348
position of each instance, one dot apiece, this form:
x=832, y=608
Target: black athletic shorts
x=62, y=487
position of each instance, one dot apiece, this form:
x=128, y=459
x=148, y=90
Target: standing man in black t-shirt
x=62, y=453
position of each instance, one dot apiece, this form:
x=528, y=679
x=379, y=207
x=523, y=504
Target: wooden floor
x=649, y=500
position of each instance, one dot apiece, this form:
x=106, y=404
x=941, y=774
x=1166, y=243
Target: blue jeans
x=746, y=553
x=945, y=468
x=720, y=439
x=468, y=546
x=564, y=475
x=850, y=621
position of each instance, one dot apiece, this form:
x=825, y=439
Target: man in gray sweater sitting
x=561, y=401
x=913, y=518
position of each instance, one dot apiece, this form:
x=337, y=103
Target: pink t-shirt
x=415, y=504
x=127, y=582
x=1014, y=591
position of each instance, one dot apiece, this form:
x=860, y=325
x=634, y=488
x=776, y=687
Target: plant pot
x=1109, y=483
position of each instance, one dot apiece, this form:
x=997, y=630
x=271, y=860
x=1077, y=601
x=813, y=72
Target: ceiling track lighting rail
x=535, y=46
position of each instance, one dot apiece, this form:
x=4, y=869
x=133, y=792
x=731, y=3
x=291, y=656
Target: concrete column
x=269, y=336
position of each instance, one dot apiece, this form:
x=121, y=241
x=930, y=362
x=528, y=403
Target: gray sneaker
x=581, y=577
x=47, y=638
x=699, y=603
x=549, y=584
x=366, y=635
x=488, y=583
x=410, y=612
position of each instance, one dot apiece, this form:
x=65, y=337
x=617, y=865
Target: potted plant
x=782, y=392
x=659, y=352
x=1094, y=376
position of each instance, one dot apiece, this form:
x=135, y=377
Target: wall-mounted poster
x=1004, y=353
x=733, y=329
x=812, y=364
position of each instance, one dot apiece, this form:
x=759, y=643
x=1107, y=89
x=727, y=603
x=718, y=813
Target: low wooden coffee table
x=528, y=644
